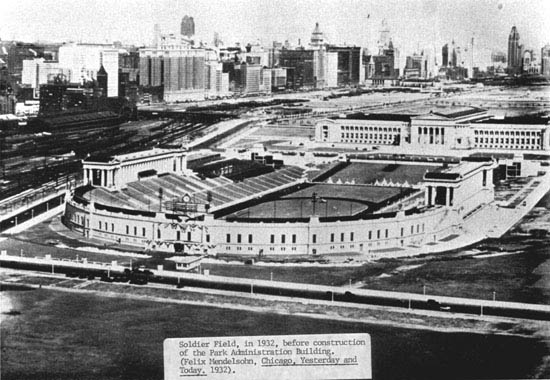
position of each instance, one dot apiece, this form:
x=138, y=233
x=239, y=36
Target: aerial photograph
x=274, y=189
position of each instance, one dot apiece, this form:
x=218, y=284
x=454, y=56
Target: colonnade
x=431, y=193
x=431, y=135
x=106, y=176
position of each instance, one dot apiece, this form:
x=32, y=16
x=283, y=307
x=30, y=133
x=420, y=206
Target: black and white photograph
x=274, y=189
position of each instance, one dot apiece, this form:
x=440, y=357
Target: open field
x=88, y=336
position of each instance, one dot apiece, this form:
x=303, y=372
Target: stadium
x=202, y=203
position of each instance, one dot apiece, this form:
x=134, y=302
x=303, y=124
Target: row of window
x=375, y=129
x=508, y=133
x=283, y=238
x=502, y=140
x=371, y=136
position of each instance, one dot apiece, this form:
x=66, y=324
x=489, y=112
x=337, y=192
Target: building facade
x=470, y=128
x=514, y=52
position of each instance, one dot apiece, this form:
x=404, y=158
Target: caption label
x=274, y=357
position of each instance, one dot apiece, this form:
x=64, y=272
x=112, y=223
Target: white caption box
x=274, y=357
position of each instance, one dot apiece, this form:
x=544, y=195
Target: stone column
x=102, y=176
x=447, y=196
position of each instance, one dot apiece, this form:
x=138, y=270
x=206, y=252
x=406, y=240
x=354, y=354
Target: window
x=127, y=230
x=238, y=238
x=378, y=234
x=249, y=238
x=143, y=231
x=158, y=234
x=342, y=236
x=99, y=224
x=208, y=238
x=402, y=231
x=135, y=231
x=228, y=238
x=272, y=239
x=188, y=236
x=178, y=235
x=370, y=235
x=283, y=238
x=351, y=236
x=412, y=230
x=112, y=227
x=314, y=238
x=294, y=239
x=332, y=238
x=387, y=233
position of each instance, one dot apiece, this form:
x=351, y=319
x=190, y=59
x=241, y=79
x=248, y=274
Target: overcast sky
x=413, y=24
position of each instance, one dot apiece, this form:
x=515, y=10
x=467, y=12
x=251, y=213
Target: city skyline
x=343, y=22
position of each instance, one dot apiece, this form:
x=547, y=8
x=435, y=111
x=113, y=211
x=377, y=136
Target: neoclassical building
x=458, y=129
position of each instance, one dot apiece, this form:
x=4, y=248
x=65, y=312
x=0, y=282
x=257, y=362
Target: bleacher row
x=146, y=194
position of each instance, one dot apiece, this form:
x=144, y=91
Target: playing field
x=330, y=200
x=301, y=208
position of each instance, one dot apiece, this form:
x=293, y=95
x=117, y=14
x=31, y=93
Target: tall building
x=109, y=61
x=454, y=55
x=384, y=39
x=445, y=55
x=317, y=37
x=299, y=66
x=181, y=74
x=349, y=64
x=514, y=52
x=103, y=79
x=545, y=61
x=187, y=26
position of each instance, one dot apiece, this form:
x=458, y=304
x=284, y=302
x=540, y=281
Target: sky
x=414, y=24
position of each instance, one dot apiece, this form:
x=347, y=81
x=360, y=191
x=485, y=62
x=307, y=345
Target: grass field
x=329, y=202
x=60, y=336
x=300, y=208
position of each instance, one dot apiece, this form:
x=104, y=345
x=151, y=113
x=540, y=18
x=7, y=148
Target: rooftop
x=457, y=112
x=128, y=156
x=456, y=172
x=379, y=116
x=526, y=119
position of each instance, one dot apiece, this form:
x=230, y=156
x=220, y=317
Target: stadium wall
x=377, y=237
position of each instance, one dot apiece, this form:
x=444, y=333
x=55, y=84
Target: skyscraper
x=317, y=37
x=445, y=55
x=454, y=58
x=514, y=52
x=187, y=26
